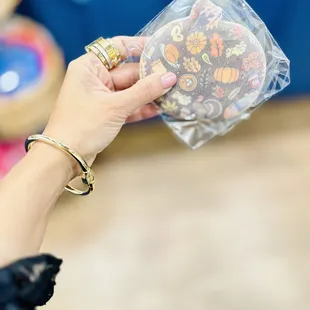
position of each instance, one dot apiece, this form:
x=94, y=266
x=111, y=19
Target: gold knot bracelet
x=87, y=174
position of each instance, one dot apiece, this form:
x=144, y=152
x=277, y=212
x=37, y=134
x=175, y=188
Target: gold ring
x=94, y=50
x=109, y=55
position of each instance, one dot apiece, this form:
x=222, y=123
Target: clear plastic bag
x=226, y=61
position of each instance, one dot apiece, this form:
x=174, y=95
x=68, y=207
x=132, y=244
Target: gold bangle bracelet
x=87, y=174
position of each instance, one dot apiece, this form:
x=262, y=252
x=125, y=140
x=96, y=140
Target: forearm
x=27, y=195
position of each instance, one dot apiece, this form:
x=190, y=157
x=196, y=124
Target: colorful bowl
x=31, y=73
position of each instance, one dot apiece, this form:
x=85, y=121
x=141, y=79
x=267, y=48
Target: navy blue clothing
x=28, y=283
x=75, y=23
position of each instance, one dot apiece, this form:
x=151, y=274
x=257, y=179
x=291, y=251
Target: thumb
x=146, y=90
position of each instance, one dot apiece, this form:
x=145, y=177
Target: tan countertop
x=226, y=227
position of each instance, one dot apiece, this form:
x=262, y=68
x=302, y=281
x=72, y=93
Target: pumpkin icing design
x=226, y=75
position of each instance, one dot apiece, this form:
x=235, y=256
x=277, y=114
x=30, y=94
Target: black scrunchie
x=28, y=283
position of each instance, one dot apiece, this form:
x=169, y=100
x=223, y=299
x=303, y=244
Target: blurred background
x=224, y=228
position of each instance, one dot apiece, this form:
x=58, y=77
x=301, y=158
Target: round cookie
x=220, y=65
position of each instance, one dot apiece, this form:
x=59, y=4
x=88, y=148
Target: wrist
x=61, y=163
x=71, y=140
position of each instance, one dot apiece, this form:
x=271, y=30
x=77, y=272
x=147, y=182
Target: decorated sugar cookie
x=220, y=65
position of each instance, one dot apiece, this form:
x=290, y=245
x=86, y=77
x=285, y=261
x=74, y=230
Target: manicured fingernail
x=168, y=80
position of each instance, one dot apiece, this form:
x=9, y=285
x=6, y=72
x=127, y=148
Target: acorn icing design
x=220, y=65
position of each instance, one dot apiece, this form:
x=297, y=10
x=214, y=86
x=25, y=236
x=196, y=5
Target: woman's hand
x=95, y=103
x=92, y=107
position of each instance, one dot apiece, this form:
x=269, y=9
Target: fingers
x=90, y=64
x=129, y=46
x=146, y=90
x=143, y=113
x=125, y=76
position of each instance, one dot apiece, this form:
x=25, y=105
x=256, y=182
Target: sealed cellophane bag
x=226, y=61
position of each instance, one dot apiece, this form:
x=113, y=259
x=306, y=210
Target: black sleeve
x=28, y=283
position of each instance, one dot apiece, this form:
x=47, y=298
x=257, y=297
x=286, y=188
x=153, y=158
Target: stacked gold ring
x=106, y=52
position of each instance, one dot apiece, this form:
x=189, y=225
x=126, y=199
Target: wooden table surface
x=225, y=227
